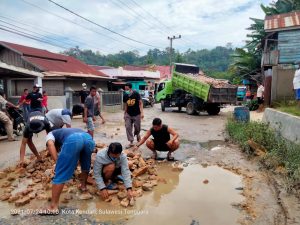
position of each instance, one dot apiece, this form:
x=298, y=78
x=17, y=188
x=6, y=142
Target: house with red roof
x=22, y=66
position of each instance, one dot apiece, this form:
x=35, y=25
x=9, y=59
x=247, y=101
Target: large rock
x=85, y=196
x=42, y=196
x=125, y=202
x=6, y=184
x=3, y=175
x=5, y=196
x=22, y=201
x=147, y=187
x=13, y=198
x=68, y=196
x=121, y=195
x=112, y=192
x=140, y=171
x=142, y=162
x=137, y=183
x=137, y=193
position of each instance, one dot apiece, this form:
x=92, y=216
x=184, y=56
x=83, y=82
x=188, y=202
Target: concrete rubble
x=33, y=182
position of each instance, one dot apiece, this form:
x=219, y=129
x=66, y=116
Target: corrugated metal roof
x=52, y=62
x=284, y=21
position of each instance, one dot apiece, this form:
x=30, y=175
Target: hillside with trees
x=214, y=62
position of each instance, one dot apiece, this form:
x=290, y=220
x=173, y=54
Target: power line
x=160, y=22
x=103, y=27
x=30, y=37
x=51, y=33
x=77, y=24
x=33, y=32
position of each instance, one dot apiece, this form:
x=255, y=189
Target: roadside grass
x=290, y=107
x=280, y=152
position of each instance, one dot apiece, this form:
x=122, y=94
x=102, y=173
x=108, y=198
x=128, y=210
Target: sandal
x=170, y=157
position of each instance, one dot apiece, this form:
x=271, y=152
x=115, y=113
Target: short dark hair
x=25, y=89
x=44, y=92
x=128, y=85
x=115, y=148
x=93, y=88
x=156, y=122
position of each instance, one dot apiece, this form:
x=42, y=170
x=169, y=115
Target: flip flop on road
x=170, y=157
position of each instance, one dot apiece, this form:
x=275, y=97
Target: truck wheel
x=162, y=105
x=190, y=108
x=213, y=110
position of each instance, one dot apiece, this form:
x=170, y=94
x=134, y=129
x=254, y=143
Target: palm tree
x=281, y=6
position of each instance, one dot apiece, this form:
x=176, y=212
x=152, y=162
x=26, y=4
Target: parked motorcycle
x=18, y=121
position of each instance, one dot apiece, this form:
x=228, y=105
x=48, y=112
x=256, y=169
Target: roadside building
x=281, y=50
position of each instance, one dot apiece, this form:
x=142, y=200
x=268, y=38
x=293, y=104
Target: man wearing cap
x=67, y=146
x=108, y=166
x=59, y=117
x=83, y=93
x=35, y=98
x=36, y=123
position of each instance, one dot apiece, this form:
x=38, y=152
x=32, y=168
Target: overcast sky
x=201, y=23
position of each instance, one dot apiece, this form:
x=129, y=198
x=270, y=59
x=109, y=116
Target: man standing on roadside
x=25, y=104
x=89, y=114
x=133, y=114
x=260, y=96
x=35, y=98
x=296, y=84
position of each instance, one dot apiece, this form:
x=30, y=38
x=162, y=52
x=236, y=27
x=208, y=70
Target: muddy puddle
x=196, y=195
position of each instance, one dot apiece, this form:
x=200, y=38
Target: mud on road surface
x=216, y=183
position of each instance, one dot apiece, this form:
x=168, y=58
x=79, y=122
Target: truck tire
x=190, y=108
x=213, y=110
x=162, y=105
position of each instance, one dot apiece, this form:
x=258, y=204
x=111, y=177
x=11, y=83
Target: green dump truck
x=195, y=92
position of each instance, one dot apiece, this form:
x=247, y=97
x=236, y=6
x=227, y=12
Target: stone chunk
x=122, y=195
x=85, y=196
x=205, y=181
x=3, y=175
x=22, y=201
x=147, y=187
x=140, y=171
x=5, y=196
x=125, y=202
x=137, y=183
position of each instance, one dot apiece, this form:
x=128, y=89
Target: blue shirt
x=60, y=135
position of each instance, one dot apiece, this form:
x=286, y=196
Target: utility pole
x=171, y=46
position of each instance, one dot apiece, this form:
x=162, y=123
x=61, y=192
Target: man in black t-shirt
x=134, y=112
x=35, y=98
x=36, y=123
x=162, y=140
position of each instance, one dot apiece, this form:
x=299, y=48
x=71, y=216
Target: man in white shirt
x=260, y=96
x=59, y=117
x=296, y=84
